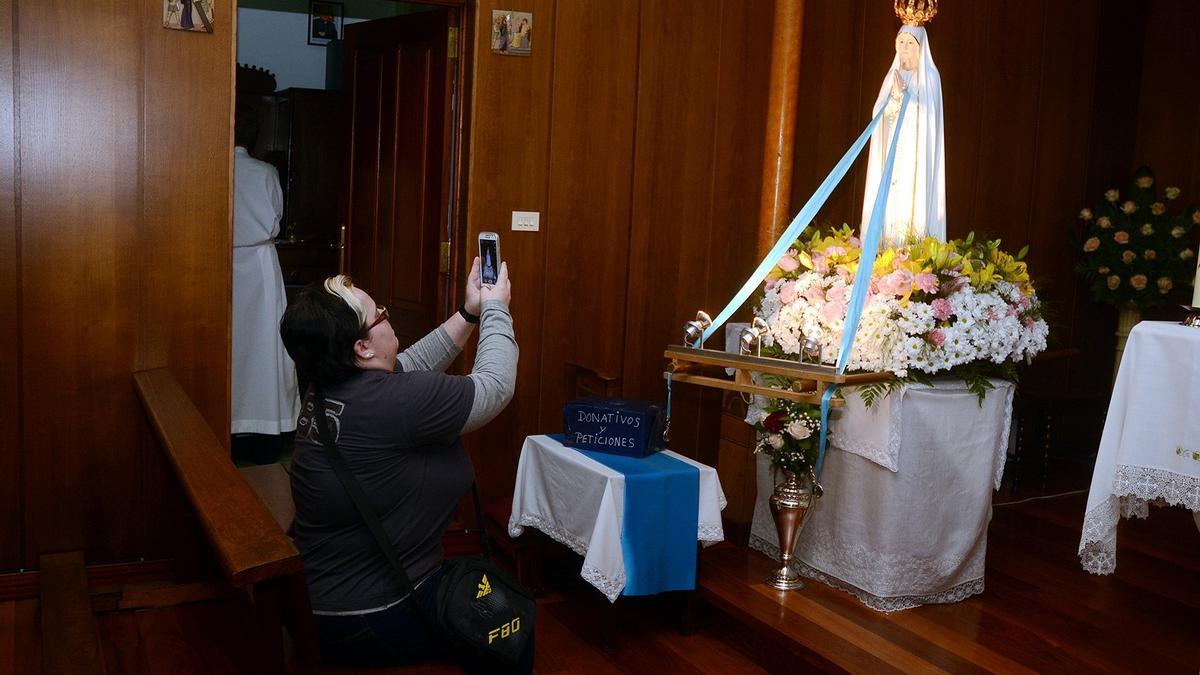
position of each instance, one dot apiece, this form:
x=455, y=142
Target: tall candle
x=1196, y=287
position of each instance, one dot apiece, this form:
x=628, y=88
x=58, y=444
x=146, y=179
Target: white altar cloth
x=580, y=503
x=1150, y=449
x=916, y=534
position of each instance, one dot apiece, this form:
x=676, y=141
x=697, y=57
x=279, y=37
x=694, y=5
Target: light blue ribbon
x=793, y=231
x=862, y=278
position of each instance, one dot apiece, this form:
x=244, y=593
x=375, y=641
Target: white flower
x=798, y=430
x=776, y=441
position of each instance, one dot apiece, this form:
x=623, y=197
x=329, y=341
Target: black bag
x=479, y=607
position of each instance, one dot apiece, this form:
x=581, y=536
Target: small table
x=580, y=503
x=1150, y=450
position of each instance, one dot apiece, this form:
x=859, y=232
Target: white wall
x=278, y=41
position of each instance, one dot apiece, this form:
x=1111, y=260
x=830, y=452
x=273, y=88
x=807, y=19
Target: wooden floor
x=1040, y=613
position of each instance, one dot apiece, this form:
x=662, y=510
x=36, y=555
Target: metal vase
x=791, y=505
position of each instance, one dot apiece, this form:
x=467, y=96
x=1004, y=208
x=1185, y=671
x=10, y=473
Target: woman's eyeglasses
x=383, y=316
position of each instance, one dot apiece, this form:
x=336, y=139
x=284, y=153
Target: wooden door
x=396, y=184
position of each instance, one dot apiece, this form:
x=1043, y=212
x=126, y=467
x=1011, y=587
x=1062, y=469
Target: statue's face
x=908, y=49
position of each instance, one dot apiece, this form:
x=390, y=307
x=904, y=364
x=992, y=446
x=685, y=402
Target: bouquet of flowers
x=789, y=433
x=1132, y=251
x=961, y=307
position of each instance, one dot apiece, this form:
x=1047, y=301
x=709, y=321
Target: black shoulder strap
x=357, y=496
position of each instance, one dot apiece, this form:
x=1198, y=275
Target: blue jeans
x=399, y=636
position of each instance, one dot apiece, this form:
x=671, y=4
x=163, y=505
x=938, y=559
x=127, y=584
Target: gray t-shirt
x=399, y=433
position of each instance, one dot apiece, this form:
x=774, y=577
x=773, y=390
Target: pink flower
x=896, y=283
x=787, y=293
x=833, y=311
x=937, y=337
x=820, y=263
x=770, y=285
x=1121, y=237
x=1114, y=281
x=788, y=263
x=1128, y=257
x=1164, y=285
x=835, y=250
x=836, y=294
x=1149, y=254
x=1030, y=323
x=1091, y=244
x=1024, y=302
x=1158, y=208
x=1138, y=281
x=814, y=295
x=942, y=309
x=1012, y=311
x=1128, y=208
x=855, y=242
x=1104, y=222
x=927, y=282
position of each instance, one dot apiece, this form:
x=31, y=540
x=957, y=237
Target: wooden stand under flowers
x=704, y=367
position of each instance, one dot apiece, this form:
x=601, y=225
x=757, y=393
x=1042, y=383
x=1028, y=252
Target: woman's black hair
x=319, y=331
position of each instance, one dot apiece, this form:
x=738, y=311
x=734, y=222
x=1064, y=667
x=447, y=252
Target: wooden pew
x=70, y=636
x=254, y=552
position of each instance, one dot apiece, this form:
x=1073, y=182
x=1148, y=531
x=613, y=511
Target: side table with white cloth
x=580, y=503
x=908, y=494
x=1150, y=449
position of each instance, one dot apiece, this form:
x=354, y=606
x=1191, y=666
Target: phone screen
x=489, y=261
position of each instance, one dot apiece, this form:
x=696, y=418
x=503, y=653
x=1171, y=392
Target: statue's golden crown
x=916, y=12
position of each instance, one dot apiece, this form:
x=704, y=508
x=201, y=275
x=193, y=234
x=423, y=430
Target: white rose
x=775, y=440
x=798, y=430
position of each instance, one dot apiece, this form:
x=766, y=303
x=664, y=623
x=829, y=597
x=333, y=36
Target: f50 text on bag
x=504, y=631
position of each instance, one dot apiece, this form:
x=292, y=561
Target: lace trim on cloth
x=710, y=534
x=517, y=528
x=956, y=593
x=1134, y=487
x=611, y=588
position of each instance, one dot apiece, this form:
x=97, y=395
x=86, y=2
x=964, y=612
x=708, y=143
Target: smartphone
x=489, y=257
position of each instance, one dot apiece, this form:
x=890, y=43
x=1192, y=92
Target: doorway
x=367, y=131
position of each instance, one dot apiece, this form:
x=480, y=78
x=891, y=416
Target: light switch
x=526, y=221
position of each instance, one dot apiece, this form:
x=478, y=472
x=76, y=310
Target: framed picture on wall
x=193, y=15
x=512, y=32
x=324, y=22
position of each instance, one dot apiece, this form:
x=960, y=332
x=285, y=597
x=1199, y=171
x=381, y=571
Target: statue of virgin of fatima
x=916, y=205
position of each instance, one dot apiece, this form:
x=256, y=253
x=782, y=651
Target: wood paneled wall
x=114, y=219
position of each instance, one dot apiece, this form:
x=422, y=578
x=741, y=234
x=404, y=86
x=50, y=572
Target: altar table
x=1150, y=449
x=580, y=503
x=908, y=493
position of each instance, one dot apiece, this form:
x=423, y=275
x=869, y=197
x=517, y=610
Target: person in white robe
x=264, y=395
x=916, y=205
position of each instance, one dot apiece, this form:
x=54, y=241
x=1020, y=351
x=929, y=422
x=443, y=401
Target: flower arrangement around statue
x=963, y=308
x=1133, y=247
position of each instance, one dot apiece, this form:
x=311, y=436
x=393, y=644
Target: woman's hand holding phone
x=501, y=290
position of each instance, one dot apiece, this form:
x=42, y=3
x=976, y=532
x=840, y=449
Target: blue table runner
x=660, y=522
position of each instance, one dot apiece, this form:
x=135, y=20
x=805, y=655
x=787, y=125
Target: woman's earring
x=370, y=355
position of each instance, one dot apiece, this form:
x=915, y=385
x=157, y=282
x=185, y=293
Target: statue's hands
x=898, y=85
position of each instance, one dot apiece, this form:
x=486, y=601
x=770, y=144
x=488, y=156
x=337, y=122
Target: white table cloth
x=1150, y=449
x=903, y=521
x=580, y=503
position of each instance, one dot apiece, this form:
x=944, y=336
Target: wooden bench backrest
x=247, y=540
